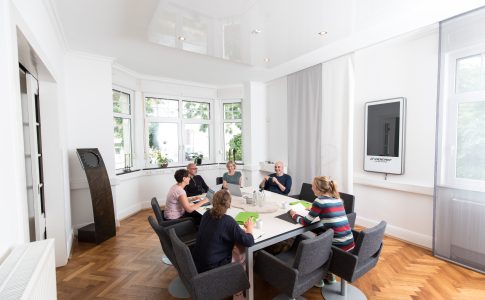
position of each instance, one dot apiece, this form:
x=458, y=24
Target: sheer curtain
x=459, y=198
x=337, y=121
x=304, y=125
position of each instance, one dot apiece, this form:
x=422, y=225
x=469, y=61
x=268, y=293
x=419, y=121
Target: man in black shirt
x=197, y=184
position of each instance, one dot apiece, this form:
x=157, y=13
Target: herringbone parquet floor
x=128, y=267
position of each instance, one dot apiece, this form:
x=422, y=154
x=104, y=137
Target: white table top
x=271, y=226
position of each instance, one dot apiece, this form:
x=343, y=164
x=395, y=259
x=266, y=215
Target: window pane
x=164, y=136
x=196, y=141
x=470, y=74
x=233, y=141
x=232, y=111
x=470, y=158
x=156, y=107
x=122, y=141
x=196, y=110
x=121, y=102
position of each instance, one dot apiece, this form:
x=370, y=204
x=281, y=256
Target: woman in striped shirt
x=330, y=209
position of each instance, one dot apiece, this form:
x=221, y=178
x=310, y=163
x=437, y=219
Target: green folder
x=245, y=215
x=304, y=203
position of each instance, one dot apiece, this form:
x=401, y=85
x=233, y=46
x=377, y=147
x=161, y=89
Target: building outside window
x=180, y=129
x=122, y=124
x=232, y=122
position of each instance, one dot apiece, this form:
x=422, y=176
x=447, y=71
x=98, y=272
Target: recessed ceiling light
x=181, y=38
x=256, y=31
x=266, y=59
x=322, y=33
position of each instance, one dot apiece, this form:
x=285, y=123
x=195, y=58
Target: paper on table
x=257, y=233
x=299, y=209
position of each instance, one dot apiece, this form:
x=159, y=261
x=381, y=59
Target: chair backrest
x=157, y=211
x=183, y=257
x=218, y=180
x=164, y=240
x=313, y=253
x=351, y=217
x=349, y=201
x=369, y=242
x=306, y=192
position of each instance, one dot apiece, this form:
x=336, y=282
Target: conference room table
x=274, y=229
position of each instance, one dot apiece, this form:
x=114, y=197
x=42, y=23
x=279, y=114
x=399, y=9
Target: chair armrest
x=220, y=282
x=343, y=263
x=295, y=196
x=275, y=271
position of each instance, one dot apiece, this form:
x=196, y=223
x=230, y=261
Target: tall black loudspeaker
x=104, y=226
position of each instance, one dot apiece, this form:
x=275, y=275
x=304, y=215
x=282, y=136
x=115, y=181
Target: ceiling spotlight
x=266, y=59
x=322, y=33
x=182, y=38
x=256, y=31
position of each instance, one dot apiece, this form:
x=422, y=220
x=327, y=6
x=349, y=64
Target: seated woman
x=177, y=204
x=232, y=176
x=330, y=209
x=219, y=234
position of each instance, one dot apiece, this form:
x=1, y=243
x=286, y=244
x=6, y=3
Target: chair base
x=332, y=292
x=166, y=261
x=177, y=289
x=285, y=297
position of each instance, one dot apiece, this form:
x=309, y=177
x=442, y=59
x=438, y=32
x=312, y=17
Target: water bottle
x=255, y=198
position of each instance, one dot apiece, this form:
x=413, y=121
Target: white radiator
x=29, y=272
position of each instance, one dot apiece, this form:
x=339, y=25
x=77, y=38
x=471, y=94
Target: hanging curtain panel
x=304, y=125
x=459, y=221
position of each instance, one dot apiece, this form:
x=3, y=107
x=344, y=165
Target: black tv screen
x=383, y=129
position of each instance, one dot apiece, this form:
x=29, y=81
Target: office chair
x=306, y=193
x=352, y=265
x=219, y=180
x=349, y=202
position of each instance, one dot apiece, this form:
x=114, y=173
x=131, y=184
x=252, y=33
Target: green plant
x=159, y=158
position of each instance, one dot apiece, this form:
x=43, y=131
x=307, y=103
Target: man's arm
x=203, y=184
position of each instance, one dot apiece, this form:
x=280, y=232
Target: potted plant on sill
x=160, y=159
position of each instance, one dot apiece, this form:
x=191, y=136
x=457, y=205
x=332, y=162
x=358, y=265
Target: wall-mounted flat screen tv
x=384, y=136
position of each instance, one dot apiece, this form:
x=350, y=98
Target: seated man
x=277, y=182
x=197, y=184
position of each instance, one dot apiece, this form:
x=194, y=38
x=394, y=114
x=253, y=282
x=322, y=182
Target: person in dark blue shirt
x=277, y=182
x=219, y=233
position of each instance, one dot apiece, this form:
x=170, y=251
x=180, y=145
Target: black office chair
x=217, y=283
x=219, y=180
x=296, y=271
x=176, y=287
x=160, y=216
x=349, y=202
x=352, y=265
x=306, y=193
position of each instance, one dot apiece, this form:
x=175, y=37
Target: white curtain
x=304, y=124
x=337, y=122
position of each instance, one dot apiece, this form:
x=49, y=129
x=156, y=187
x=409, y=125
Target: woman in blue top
x=232, y=176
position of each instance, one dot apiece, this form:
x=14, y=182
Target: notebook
x=306, y=204
x=245, y=215
x=234, y=189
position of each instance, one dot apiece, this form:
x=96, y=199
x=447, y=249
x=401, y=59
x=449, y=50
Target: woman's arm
x=190, y=207
x=241, y=180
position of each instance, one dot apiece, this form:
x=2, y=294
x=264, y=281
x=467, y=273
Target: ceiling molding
x=57, y=24
x=91, y=56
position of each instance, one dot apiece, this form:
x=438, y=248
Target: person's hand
x=292, y=213
x=204, y=201
x=275, y=180
x=249, y=224
x=266, y=178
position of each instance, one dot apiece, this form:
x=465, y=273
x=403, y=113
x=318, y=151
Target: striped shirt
x=331, y=212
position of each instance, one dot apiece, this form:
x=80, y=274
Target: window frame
x=181, y=122
x=229, y=101
x=450, y=111
x=130, y=116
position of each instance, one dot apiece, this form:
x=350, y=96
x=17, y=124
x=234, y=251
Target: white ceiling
x=221, y=46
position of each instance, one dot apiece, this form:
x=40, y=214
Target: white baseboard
x=131, y=210
x=412, y=237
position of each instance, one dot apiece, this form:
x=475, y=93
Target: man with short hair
x=197, y=184
x=277, y=182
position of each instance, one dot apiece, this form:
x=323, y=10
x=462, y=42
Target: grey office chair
x=217, y=283
x=176, y=287
x=296, y=271
x=351, y=265
x=306, y=193
x=349, y=202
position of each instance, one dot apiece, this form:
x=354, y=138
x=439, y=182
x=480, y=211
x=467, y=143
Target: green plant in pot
x=160, y=159
x=198, y=159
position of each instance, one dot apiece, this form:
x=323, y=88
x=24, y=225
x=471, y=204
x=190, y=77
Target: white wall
x=403, y=67
x=276, y=116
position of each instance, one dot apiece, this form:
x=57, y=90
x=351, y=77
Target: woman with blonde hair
x=330, y=209
x=219, y=233
x=232, y=176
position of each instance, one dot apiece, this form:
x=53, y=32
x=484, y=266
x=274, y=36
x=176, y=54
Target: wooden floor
x=129, y=267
